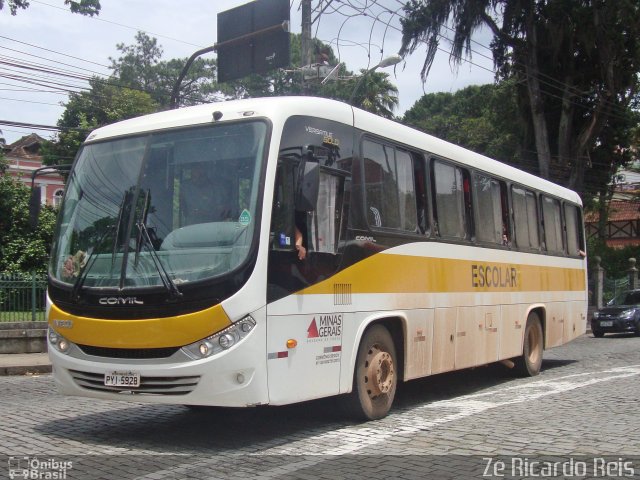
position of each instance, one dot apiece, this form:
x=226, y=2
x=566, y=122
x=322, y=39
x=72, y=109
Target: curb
x=24, y=364
x=25, y=370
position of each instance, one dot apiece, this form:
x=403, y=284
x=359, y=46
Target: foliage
x=575, y=64
x=142, y=82
x=376, y=94
x=482, y=118
x=21, y=248
x=615, y=261
x=105, y=103
x=141, y=67
x=83, y=7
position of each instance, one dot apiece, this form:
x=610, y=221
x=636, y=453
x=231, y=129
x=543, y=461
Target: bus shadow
x=184, y=430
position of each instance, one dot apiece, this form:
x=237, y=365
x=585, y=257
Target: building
x=24, y=157
x=623, y=224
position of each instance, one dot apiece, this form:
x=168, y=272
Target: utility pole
x=305, y=39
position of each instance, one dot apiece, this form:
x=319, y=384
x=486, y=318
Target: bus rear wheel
x=375, y=377
x=530, y=362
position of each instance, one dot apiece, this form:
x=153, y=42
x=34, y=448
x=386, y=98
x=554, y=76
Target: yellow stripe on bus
x=145, y=333
x=392, y=273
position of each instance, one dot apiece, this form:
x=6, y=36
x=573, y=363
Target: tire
x=530, y=362
x=375, y=377
x=597, y=333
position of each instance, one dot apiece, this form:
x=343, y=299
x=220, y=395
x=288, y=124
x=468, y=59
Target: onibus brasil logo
x=38, y=468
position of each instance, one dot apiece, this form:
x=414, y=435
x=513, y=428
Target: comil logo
x=120, y=301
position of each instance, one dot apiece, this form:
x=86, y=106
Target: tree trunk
x=535, y=97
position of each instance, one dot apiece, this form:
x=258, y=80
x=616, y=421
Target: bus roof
x=278, y=109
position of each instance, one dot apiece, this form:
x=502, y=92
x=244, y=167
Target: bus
x=278, y=250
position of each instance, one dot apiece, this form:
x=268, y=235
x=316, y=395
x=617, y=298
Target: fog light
x=226, y=341
x=240, y=378
x=63, y=345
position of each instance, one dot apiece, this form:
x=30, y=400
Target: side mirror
x=307, y=195
x=34, y=206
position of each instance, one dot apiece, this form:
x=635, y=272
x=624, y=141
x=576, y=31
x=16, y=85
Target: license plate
x=122, y=379
x=606, y=323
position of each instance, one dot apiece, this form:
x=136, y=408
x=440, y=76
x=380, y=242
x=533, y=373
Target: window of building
x=57, y=197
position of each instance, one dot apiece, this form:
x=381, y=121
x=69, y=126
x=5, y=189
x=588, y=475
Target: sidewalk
x=24, y=363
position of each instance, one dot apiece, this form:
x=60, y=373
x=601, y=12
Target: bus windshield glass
x=169, y=207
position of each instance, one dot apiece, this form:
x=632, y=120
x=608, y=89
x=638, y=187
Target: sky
x=49, y=35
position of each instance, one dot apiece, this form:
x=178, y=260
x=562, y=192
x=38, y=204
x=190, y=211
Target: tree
x=376, y=94
x=141, y=67
x=576, y=62
x=103, y=104
x=22, y=249
x=83, y=7
x=483, y=118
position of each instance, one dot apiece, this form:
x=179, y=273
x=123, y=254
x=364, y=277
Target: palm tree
x=375, y=94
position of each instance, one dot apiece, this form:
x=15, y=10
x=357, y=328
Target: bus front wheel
x=529, y=363
x=375, y=377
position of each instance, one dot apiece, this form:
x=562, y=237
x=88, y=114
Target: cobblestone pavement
x=580, y=413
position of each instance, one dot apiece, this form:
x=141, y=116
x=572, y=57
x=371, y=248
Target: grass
x=13, y=316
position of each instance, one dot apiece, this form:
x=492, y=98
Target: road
x=580, y=413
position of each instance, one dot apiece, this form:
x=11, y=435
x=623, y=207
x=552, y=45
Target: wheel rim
x=379, y=372
x=534, y=343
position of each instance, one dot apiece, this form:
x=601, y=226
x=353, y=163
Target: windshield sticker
x=245, y=218
x=73, y=264
x=285, y=241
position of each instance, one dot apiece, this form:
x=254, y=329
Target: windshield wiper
x=168, y=283
x=125, y=199
x=143, y=221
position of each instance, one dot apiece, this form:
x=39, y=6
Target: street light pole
x=385, y=62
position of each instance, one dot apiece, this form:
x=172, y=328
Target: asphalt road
x=577, y=419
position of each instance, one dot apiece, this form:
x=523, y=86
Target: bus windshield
x=169, y=207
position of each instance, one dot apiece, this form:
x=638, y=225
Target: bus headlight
x=58, y=342
x=221, y=341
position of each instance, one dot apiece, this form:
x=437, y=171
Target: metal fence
x=22, y=297
x=613, y=287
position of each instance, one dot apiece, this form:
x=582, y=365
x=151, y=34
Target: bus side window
x=575, y=236
x=491, y=214
x=325, y=223
x=552, y=225
x=390, y=187
x=452, y=199
x=525, y=218
x=419, y=173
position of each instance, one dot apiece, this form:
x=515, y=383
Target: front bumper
x=234, y=378
x=614, y=325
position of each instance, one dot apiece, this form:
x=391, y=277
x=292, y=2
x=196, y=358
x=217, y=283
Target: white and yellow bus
x=177, y=275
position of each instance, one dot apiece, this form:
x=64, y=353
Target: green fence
x=22, y=297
